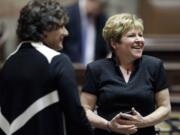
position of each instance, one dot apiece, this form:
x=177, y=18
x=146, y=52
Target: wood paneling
x=165, y=47
x=160, y=16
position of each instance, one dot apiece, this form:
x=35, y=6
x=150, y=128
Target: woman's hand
x=115, y=126
x=135, y=118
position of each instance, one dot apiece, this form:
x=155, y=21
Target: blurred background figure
x=85, y=43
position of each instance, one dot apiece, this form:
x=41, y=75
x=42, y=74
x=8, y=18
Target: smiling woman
x=128, y=81
x=130, y=47
x=54, y=39
x=45, y=23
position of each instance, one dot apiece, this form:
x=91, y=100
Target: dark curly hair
x=39, y=16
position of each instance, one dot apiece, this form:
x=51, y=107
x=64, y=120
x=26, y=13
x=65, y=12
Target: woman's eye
x=134, y=35
x=131, y=35
x=141, y=35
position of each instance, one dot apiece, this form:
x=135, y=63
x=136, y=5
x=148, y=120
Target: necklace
x=126, y=73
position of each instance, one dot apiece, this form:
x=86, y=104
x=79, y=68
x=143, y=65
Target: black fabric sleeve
x=90, y=84
x=76, y=121
x=160, y=77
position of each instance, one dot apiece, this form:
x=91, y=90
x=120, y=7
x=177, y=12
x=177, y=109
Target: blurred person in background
x=129, y=89
x=38, y=91
x=85, y=42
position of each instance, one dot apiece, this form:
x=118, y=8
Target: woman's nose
x=65, y=31
x=140, y=38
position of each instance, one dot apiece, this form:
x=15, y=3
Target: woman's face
x=131, y=45
x=54, y=39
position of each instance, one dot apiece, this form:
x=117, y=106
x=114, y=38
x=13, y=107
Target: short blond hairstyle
x=119, y=24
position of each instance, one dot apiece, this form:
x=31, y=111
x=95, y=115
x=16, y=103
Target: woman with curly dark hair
x=38, y=91
x=39, y=19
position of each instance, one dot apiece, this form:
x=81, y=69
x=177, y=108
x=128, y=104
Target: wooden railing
x=165, y=47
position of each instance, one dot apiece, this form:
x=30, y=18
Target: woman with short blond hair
x=129, y=89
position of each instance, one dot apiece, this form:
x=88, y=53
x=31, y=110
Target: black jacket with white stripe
x=38, y=94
